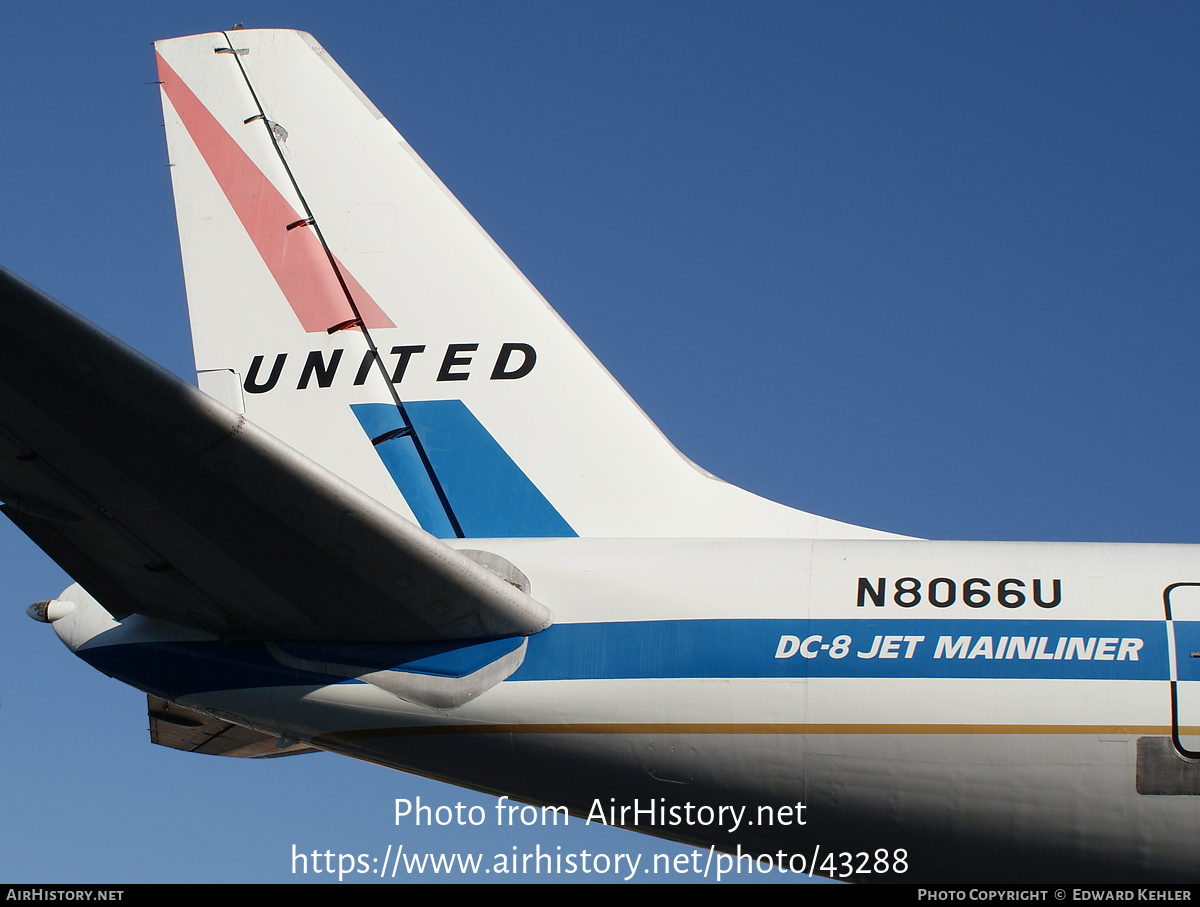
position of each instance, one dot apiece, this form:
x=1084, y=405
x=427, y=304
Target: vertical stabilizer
x=345, y=301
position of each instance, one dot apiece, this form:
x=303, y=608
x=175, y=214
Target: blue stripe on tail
x=490, y=495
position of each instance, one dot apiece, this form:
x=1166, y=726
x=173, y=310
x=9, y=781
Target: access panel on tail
x=345, y=301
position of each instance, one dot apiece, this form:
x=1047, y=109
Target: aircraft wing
x=160, y=500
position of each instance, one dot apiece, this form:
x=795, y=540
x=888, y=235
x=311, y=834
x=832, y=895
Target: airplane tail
x=344, y=300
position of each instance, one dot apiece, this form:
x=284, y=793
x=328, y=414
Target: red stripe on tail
x=294, y=257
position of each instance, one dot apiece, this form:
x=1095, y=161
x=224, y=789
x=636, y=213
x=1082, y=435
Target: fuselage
x=1002, y=711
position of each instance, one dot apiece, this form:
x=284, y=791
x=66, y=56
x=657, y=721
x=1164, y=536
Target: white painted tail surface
x=508, y=425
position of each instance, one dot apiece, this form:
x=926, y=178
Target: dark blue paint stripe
x=692, y=648
x=443, y=659
x=173, y=669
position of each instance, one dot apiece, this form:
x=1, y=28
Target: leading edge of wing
x=159, y=499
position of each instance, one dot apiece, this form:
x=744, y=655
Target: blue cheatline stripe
x=175, y=669
x=490, y=495
x=1187, y=641
x=1096, y=650
x=444, y=659
x=843, y=648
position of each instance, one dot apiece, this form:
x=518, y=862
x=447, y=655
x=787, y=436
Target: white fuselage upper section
x=975, y=703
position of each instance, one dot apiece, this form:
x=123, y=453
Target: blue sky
x=926, y=267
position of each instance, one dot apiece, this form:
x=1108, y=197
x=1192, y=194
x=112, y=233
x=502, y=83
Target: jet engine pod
x=49, y=611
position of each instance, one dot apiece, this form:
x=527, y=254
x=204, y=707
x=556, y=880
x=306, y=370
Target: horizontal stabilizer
x=158, y=499
x=195, y=732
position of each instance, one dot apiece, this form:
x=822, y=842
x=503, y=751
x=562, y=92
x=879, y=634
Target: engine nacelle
x=50, y=611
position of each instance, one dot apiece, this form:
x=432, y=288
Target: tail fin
x=344, y=300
